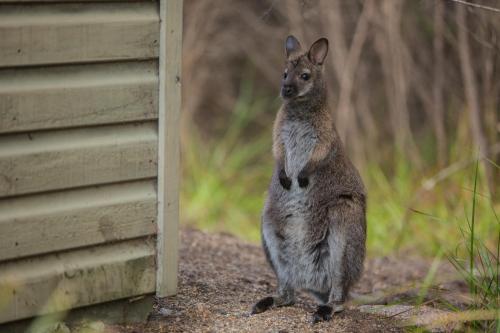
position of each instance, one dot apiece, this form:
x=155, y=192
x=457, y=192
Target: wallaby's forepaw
x=263, y=305
x=323, y=313
x=284, y=180
x=303, y=182
x=303, y=179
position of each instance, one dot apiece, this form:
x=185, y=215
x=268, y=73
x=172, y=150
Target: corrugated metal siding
x=78, y=153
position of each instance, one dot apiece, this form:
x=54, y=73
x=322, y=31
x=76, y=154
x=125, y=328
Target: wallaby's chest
x=299, y=139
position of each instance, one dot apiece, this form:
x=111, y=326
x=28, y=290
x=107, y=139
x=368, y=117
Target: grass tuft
x=480, y=266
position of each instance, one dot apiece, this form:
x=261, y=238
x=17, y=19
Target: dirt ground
x=221, y=277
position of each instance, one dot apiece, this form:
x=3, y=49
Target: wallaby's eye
x=305, y=76
x=285, y=75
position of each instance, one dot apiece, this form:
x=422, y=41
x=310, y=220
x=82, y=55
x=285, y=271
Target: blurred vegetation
x=225, y=181
x=415, y=90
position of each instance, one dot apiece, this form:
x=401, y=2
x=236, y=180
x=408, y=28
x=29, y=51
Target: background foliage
x=415, y=90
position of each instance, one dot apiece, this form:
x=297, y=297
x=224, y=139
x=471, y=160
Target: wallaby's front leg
x=285, y=181
x=318, y=157
x=279, y=152
x=283, y=177
x=286, y=297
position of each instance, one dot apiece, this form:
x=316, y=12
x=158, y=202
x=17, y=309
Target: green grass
x=402, y=214
x=225, y=182
x=479, y=265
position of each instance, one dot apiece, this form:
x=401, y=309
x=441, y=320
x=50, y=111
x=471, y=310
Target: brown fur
x=278, y=149
x=313, y=224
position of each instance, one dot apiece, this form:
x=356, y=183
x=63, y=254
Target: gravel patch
x=221, y=277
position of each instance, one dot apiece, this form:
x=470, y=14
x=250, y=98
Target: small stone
x=92, y=327
x=165, y=312
x=57, y=328
x=97, y=326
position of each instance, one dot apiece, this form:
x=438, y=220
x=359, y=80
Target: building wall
x=79, y=109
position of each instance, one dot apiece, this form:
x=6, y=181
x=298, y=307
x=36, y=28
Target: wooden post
x=168, y=152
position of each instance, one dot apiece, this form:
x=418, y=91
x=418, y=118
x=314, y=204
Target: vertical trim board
x=168, y=146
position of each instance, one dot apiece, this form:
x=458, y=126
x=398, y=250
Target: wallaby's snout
x=288, y=91
x=289, y=84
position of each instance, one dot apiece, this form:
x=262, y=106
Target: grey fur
x=299, y=139
x=313, y=236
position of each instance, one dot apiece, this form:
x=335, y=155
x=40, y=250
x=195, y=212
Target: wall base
x=125, y=311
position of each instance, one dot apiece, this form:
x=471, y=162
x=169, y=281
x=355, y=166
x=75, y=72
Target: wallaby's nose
x=288, y=90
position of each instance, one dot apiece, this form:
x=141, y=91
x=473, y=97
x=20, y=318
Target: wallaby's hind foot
x=268, y=302
x=325, y=312
x=263, y=305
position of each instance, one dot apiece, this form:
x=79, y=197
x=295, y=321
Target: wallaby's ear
x=318, y=51
x=292, y=46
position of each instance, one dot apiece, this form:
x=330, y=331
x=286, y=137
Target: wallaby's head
x=303, y=75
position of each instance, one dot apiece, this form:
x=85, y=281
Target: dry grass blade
x=476, y=5
x=467, y=316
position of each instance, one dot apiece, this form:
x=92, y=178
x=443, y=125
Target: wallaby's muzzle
x=288, y=91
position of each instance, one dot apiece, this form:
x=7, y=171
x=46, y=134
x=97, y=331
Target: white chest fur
x=299, y=139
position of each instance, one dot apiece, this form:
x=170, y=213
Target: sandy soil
x=221, y=277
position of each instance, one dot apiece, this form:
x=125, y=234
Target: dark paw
x=303, y=179
x=303, y=182
x=323, y=313
x=264, y=304
x=284, y=180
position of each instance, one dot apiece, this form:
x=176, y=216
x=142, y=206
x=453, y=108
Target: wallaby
x=313, y=222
